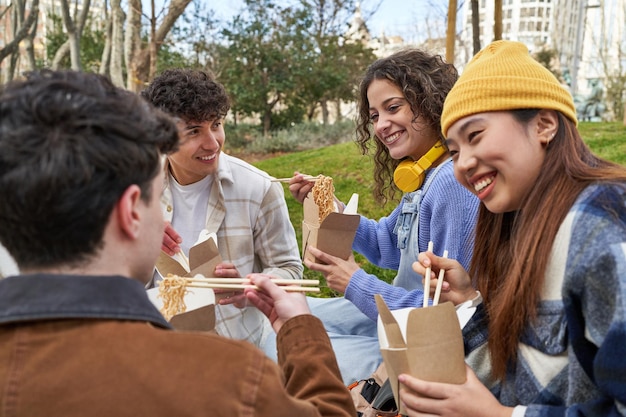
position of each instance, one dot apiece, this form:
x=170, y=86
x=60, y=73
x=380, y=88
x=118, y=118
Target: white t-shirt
x=190, y=209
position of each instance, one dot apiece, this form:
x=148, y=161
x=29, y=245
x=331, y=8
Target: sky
x=395, y=17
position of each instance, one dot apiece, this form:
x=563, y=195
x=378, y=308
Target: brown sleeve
x=308, y=362
x=307, y=382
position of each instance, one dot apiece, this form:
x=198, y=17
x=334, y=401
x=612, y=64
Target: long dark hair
x=517, y=245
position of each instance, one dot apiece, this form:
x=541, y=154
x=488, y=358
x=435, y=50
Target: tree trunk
x=73, y=38
x=60, y=54
x=451, y=32
x=153, y=44
x=497, y=20
x=267, y=121
x=105, y=60
x=324, y=106
x=475, y=27
x=29, y=46
x=142, y=57
x=132, y=42
x=117, y=43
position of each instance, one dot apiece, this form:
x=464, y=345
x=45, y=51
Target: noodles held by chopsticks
x=324, y=196
x=172, y=291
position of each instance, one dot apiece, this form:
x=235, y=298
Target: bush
x=300, y=137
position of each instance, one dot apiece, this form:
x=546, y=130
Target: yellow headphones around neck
x=409, y=175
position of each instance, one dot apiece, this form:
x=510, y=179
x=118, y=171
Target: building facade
x=588, y=36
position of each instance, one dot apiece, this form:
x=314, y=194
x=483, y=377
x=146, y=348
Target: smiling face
x=498, y=158
x=393, y=123
x=199, y=150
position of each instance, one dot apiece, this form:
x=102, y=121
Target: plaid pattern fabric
x=249, y=215
x=571, y=360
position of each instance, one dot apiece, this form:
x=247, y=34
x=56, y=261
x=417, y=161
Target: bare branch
x=13, y=46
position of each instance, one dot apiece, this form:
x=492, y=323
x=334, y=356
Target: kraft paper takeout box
x=426, y=343
x=336, y=232
x=200, y=313
x=203, y=258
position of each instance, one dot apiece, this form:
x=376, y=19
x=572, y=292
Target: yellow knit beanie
x=503, y=76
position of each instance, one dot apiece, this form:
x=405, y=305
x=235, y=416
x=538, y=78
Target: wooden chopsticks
x=427, y=280
x=310, y=178
x=439, y=281
x=302, y=285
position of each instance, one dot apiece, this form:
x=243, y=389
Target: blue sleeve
x=594, y=296
x=363, y=287
x=377, y=242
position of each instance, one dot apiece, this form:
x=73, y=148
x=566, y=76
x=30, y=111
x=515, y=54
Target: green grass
x=607, y=140
x=352, y=173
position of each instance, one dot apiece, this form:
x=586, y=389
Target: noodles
x=172, y=291
x=324, y=196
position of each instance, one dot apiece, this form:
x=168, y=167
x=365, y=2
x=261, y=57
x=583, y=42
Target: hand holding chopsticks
x=439, y=280
x=458, y=286
x=301, y=285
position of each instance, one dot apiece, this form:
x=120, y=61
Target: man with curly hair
x=209, y=190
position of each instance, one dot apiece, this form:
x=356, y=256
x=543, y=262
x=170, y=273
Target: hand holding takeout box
x=426, y=342
x=335, y=234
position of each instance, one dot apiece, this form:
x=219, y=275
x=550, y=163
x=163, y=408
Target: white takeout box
x=200, y=312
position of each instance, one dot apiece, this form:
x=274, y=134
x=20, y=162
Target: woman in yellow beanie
x=549, y=256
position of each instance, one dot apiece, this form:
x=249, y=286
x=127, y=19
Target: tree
x=193, y=42
x=262, y=58
x=92, y=43
x=335, y=63
x=74, y=26
x=142, y=62
x=116, y=59
x=475, y=27
x=21, y=27
x=284, y=63
x=497, y=20
x=451, y=32
x=548, y=57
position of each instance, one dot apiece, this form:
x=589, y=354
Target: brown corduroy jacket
x=95, y=346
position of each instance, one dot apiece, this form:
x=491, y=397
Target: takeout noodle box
x=336, y=232
x=426, y=343
x=200, y=314
x=203, y=258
